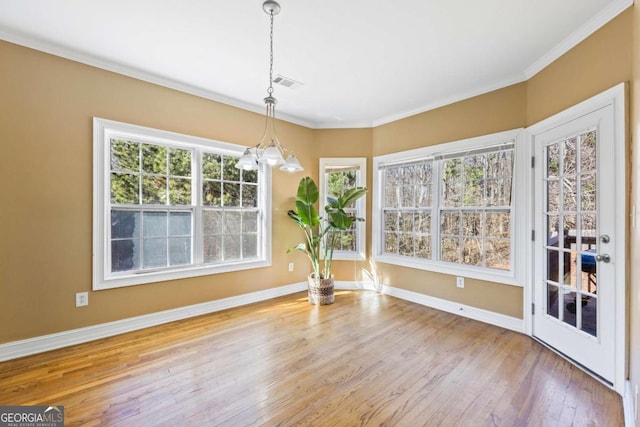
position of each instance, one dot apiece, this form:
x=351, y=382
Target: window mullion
x=435, y=216
x=198, y=228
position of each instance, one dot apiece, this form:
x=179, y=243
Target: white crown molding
x=15, y=349
x=96, y=61
x=612, y=10
x=518, y=78
x=490, y=317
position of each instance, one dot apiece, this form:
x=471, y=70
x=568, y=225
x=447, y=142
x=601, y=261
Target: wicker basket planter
x=321, y=291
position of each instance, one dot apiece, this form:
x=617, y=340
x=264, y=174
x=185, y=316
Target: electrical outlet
x=82, y=299
x=290, y=267
x=460, y=282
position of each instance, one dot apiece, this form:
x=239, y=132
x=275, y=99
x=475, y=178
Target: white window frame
x=360, y=205
x=103, y=131
x=515, y=276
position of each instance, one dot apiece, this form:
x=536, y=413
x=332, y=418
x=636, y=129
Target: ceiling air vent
x=286, y=82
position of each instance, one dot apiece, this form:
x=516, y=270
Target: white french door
x=577, y=240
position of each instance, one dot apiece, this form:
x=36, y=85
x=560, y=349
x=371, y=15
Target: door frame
x=615, y=96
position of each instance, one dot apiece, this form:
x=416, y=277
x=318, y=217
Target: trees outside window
x=170, y=206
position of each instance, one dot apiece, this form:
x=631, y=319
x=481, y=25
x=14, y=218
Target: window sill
x=503, y=277
x=123, y=280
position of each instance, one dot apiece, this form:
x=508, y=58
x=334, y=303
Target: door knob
x=603, y=258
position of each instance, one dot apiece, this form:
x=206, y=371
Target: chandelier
x=269, y=150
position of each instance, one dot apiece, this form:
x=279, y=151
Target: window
x=168, y=206
x=450, y=208
x=338, y=175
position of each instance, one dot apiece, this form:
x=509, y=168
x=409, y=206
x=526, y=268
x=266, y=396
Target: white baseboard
x=628, y=405
x=354, y=285
x=497, y=319
x=44, y=343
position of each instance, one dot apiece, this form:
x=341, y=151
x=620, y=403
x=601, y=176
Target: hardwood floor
x=368, y=359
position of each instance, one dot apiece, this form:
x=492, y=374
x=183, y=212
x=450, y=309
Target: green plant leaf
x=306, y=197
x=350, y=196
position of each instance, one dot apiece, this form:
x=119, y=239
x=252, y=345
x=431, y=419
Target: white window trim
x=103, y=131
x=520, y=194
x=360, y=205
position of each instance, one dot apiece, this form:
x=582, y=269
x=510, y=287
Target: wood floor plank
x=368, y=359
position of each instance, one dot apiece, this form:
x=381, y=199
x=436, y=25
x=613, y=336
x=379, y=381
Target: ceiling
x=361, y=63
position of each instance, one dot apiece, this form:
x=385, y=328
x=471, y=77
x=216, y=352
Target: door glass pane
x=571, y=242
x=590, y=315
x=552, y=300
x=570, y=308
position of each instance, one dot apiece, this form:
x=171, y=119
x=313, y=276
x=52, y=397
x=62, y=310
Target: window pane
x=232, y=247
x=249, y=196
x=406, y=222
x=391, y=243
x=212, y=193
x=212, y=222
x=423, y=247
x=154, y=190
x=125, y=189
x=179, y=162
x=154, y=253
x=232, y=222
x=179, y=250
x=472, y=224
x=124, y=255
x=569, y=194
x=180, y=224
x=212, y=248
x=472, y=252
x=588, y=151
x=422, y=222
x=450, y=249
x=391, y=221
x=125, y=224
x=406, y=244
x=498, y=224
x=570, y=156
x=588, y=192
x=231, y=195
x=179, y=191
x=450, y=223
x=155, y=224
x=249, y=246
x=154, y=159
x=498, y=253
x=499, y=192
x=553, y=160
x=250, y=176
x=125, y=156
x=211, y=166
x=250, y=222
x=229, y=170
x=423, y=196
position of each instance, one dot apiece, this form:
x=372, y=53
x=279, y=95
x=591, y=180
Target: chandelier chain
x=270, y=90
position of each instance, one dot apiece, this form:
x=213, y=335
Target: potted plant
x=320, y=233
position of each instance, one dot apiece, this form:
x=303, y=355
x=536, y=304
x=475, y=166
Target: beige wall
x=598, y=63
x=46, y=106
